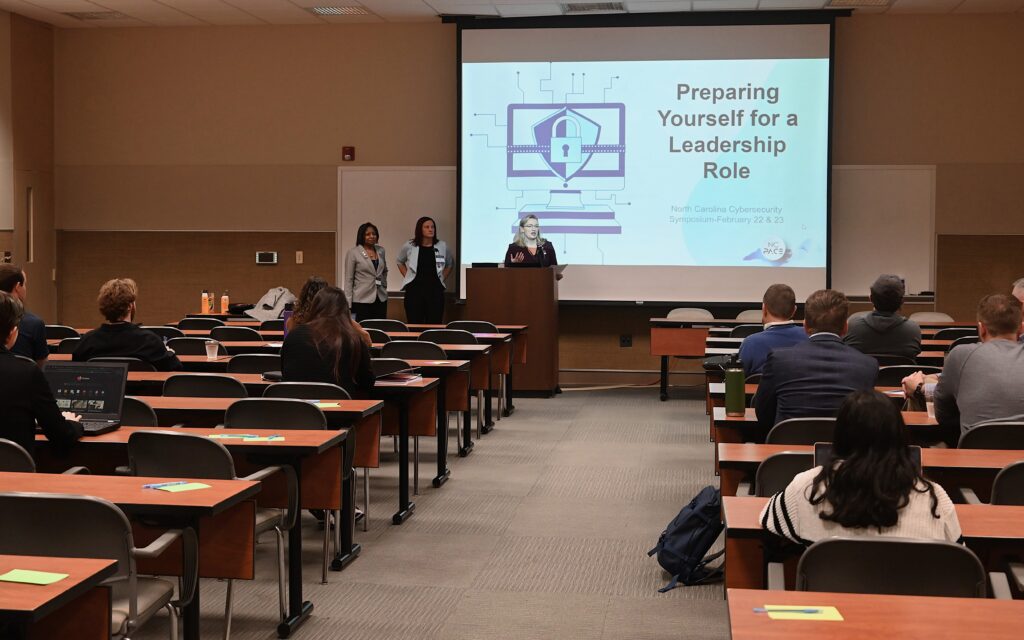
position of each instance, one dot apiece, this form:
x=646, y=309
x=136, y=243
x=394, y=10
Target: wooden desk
x=208, y=412
x=77, y=606
x=192, y=364
x=416, y=400
x=675, y=339
x=222, y=516
x=732, y=428
x=925, y=358
x=982, y=525
x=926, y=331
x=951, y=468
x=734, y=343
x=864, y=616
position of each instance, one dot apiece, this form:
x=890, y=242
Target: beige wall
x=222, y=128
x=6, y=128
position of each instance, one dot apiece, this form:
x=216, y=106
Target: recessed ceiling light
x=338, y=11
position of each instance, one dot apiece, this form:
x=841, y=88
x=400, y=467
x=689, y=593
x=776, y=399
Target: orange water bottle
x=224, y=302
x=204, y=306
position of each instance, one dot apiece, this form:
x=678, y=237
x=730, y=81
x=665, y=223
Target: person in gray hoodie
x=884, y=331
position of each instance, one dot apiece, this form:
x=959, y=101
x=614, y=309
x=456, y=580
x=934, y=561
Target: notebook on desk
x=93, y=390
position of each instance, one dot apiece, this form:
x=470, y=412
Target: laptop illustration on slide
x=93, y=390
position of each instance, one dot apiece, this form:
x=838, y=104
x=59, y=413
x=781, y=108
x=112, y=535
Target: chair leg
x=282, y=574
x=336, y=539
x=229, y=605
x=366, y=498
x=172, y=616
x=416, y=465
x=327, y=545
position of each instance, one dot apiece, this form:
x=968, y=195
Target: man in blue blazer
x=811, y=379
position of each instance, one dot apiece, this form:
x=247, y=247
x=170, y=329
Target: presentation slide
x=689, y=178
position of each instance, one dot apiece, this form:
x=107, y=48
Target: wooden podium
x=521, y=296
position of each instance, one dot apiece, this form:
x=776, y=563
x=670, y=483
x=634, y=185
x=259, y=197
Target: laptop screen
x=94, y=390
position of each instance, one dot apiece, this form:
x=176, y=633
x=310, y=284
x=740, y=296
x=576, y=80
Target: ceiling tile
x=724, y=5
x=517, y=10
x=276, y=11
x=791, y=4
x=214, y=12
x=150, y=12
x=448, y=7
x=644, y=6
x=43, y=15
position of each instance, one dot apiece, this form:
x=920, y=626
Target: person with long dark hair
x=328, y=346
x=872, y=487
x=425, y=263
x=300, y=311
x=366, y=275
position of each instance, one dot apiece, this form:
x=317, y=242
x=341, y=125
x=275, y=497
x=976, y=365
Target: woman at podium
x=529, y=249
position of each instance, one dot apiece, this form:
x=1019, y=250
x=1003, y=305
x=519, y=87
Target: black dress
x=545, y=256
x=424, y=296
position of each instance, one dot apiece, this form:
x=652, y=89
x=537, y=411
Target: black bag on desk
x=688, y=537
x=716, y=363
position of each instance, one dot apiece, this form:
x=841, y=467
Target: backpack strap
x=673, y=583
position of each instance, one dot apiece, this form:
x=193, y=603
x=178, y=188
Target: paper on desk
x=28, y=576
x=188, y=486
x=231, y=436
x=327, y=405
x=825, y=613
x=266, y=439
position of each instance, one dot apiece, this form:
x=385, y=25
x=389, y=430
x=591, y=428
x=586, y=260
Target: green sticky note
x=188, y=486
x=797, y=612
x=266, y=439
x=326, y=405
x=27, y=576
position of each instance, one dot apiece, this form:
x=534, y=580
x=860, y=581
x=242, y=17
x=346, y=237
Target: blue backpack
x=688, y=537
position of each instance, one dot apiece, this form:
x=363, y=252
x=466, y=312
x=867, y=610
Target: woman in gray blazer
x=366, y=275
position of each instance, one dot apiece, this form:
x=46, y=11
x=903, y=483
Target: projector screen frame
x=680, y=19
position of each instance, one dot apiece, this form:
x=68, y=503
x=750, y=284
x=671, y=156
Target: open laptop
x=93, y=390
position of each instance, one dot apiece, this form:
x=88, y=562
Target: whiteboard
x=883, y=218
x=393, y=198
x=883, y=221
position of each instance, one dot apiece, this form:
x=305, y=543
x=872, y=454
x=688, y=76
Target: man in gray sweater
x=884, y=331
x=982, y=382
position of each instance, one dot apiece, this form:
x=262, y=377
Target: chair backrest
x=892, y=375
x=193, y=346
x=274, y=413
x=254, y=363
x=473, y=326
x=385, y=366
x=134, y=364
x=994, y=435
x=377, y=336
x=68, y=345
x=691, y=313
x=306, y=391
x=891, y=566
x=412, y=350
x=802, y=431
x=858, y=314
x=952, y=333
x=190, y=324
x=931, y=316
x=59, y=331
x=235, y=334
x=137, y=413
x=963, y=340
x=169, y=454
x=888, y=360
x=744, y=330
x=1008, y=487
x=204, y=385
x=448, y=336
x=749, y=315
x=13, y=457
x=777, y=470
x=164, y=331
x=69, y=526
x=384, y=324
x=272, y=325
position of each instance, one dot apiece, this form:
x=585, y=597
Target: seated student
x=777, y=310
x=118, y=337
x=812, y=378
x=25, y=395
x=873, y=488
x=328, y=346
x=984, y=381
x=32, y=330
x=884, y=331
x=300, y=310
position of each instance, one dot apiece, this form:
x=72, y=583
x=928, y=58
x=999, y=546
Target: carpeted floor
x=541, y=533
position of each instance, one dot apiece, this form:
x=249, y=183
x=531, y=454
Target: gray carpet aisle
x=540, y=533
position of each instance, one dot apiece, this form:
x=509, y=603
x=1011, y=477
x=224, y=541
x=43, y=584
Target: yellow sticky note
x=27, y=576
x=802, y=612
x=326, y=405
x=188, y=486
x=266, y=439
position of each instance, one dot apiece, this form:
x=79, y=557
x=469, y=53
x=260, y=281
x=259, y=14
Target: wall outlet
x=626, y=340
x=298, y=257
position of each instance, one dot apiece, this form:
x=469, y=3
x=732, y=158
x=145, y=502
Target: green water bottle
x=735, y=388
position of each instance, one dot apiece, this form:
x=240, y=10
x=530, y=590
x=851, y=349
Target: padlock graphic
x=568, y=149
